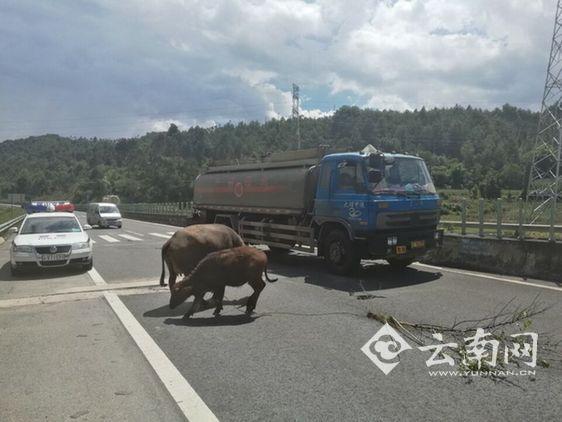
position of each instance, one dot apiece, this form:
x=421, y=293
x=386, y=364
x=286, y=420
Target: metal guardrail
x=179, y=209
x=497, y=227
x=5, y=226
x=519, y=227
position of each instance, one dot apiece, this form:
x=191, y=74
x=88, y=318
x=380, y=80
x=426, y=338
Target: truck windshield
x=404, y=176
x=108, y=209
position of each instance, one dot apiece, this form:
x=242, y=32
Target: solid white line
x=491, y=277
x=189, y=402
x=96, y=277
x=165, y=236
x=170, y=233
x=428, y=266
x=129, y=237
x=73, y=297
x=108, y=238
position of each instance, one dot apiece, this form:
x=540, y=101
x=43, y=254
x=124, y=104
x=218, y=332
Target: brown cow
x=230, y=267
x=183, y=251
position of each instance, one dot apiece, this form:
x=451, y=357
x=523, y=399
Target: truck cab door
x=322, y=203
x=348, y=197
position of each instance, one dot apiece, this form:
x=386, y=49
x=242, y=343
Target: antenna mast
x=545, y=184
x=296, y=113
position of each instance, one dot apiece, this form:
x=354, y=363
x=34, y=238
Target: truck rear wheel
x=340, y=252
x=399, y=263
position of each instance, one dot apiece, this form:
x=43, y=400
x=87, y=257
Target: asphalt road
x=298, y=358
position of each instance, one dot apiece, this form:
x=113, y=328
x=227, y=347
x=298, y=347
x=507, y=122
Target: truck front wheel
x=399, y=263
x=340, y=252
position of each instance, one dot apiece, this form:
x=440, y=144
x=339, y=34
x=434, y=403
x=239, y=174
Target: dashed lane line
x=491, y=277
x=108, y=238
x=129, y=237
x=165, y=236
x=189, y=402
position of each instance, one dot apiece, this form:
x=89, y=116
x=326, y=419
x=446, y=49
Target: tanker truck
x=344, y=206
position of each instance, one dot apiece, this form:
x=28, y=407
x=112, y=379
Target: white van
x=104, y=214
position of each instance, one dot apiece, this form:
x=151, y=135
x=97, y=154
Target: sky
x=112, y=69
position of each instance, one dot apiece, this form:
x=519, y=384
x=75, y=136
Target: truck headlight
x=83, y=245
x=23, y=249
x=391, y=241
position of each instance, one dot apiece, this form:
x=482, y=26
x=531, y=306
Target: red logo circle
x=238, y=189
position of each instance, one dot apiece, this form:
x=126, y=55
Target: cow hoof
x=249, y=311
x=186, y=317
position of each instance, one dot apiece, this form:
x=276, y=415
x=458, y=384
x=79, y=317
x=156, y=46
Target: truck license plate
x=400, y=250
x=416, y=244
x=53, y=257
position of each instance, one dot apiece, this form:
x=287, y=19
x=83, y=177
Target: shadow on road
x=212, y=321
x=372, y=276
x=165, y=311
x=38, y=273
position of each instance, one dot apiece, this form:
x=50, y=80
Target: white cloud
x=106, y=68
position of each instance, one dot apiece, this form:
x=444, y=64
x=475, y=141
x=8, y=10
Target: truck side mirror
x=375, y=176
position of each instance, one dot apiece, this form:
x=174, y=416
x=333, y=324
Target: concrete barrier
x=524, y=258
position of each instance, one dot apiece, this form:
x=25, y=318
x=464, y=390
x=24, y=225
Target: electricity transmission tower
x=545, y=186
x=296, y=113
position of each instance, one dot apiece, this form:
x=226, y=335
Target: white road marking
x=491, y=277
x=165, y=236
x=73, y=297
x=93, y=241
x=428, y=266
x=132, y=284
x=135, y=233
x=108, y=238
x=129, y=237
x=170, y=233
x=189, y=402
x=96, y=277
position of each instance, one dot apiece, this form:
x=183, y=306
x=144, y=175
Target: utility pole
x=296, y=113
x=545, y=184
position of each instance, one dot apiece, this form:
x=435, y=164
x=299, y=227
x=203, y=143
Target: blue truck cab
x=375, y=205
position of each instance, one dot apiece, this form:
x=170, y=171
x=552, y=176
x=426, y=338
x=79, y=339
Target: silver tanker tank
x=285, y=185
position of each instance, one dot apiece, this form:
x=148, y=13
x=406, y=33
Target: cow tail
x=271, y=280
x=163, y=275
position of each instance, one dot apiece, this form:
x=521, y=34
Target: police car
x=50, y=239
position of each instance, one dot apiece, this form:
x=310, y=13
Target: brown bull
x=230, y=267
x=183, y=251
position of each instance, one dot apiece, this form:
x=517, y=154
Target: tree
x=173, y=129
x=486, y=149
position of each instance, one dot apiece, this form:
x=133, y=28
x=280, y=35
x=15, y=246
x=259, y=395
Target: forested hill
x=465, y=147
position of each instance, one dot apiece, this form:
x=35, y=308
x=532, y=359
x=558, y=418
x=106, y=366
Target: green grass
x=7, y=214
